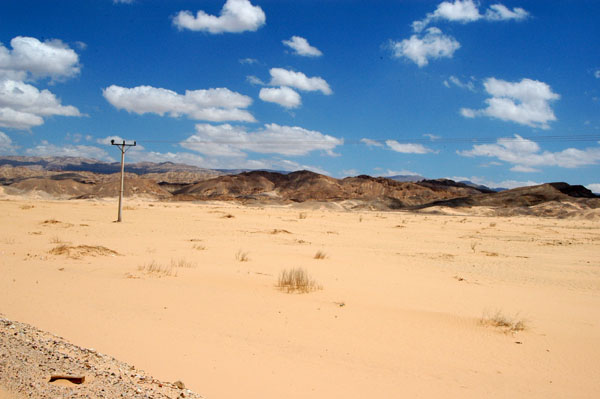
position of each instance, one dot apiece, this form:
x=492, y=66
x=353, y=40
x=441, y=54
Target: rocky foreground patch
x=37, y=364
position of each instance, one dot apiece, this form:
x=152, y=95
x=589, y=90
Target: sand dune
x=411, y=305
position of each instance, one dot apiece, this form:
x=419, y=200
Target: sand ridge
x=402, y=310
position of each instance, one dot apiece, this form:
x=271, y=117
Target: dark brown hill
x=522, y=196
x=304, y=186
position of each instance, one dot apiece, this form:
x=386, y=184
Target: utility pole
x=123, y=147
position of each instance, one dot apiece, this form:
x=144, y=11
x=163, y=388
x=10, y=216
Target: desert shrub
x=320, y=255
x=297, y=280
x=156, y=269
x=499, y=320
x=242, y=256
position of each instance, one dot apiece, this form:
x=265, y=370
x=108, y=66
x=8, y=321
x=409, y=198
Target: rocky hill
x=66, y=178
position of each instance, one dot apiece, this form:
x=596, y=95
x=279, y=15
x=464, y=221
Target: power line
x=441, y=140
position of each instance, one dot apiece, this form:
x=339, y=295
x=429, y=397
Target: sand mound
x=80, y=251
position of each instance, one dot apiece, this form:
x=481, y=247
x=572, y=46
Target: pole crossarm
x=124, y=146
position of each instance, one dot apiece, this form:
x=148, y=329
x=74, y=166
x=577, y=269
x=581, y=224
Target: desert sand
x=408, y=304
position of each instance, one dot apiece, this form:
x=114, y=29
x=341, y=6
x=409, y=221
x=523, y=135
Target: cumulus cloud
x=371, y=143
x=33, y=59
x=6, y=144
x=23, y=106
x=454, y=81
x=236, y=16
x=421, y=48
x=407, y=148
x=432, y=137
x=301, y=47
x=495, y=184
x=465, y=11
x=593, y=187
x=499, y=12
x=402, y=172
x=526, y=102
x=85, y=151
x=226, y=140
x=253, y=80
x=298, y=80
x=215, y=105
x=597, y=74
x=526, y=154
x=284, y=96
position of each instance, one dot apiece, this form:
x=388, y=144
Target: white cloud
x=402, y=172
x=465, y=11
x=597, y=74
x=349, y=172
x=298, y=80
x=6, y=144
x=236, y=16
x=32, y=59
x=432, y=137
x=371, y=143
x=301, y=47
x=227, y=140
x=283, y=96
x=499, y=12
x=407, y=148
x=526, y=154
x=123, y=1
x=215, y=105
x=420, y=48
x=248, y=61
x=495, y=184
x=84, y=151
x=23, y=106
x=524, y=169
x=453, y=80
x=593, y=187
x=253, y=80
x=526, y=102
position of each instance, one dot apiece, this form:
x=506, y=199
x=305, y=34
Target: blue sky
x=503, y=93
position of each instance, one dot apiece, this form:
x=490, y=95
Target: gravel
x=29, y=357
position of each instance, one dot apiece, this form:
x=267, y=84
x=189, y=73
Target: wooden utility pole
x=123, y=147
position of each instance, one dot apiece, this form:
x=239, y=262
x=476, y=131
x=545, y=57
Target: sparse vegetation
x=27, y=206
x=227, y=216
x=493, y=224
x=156, y=269
x=297, y=280
x=199, y=247
x=56, y=240
x=320, y=255
x=242, y=256
x=280, y=231
x=302, y=215
x=499, y=320
x=473, y=245
x=182, y=263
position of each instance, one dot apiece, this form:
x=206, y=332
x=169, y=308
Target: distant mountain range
x=62, y=177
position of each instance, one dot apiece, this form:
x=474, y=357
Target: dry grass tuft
x=297, y=280
x=156, y=269
x=80, y=251
x=183, y=263
x=320, y=255
x=242, y=256
x=302, y=215
x=280, y=231
x=57, y=240
x=199, y=247
x=27, y=206
x=507, y=324
x=227, y=216
x=51, y=221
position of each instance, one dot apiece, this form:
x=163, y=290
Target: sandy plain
x=399, y=313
